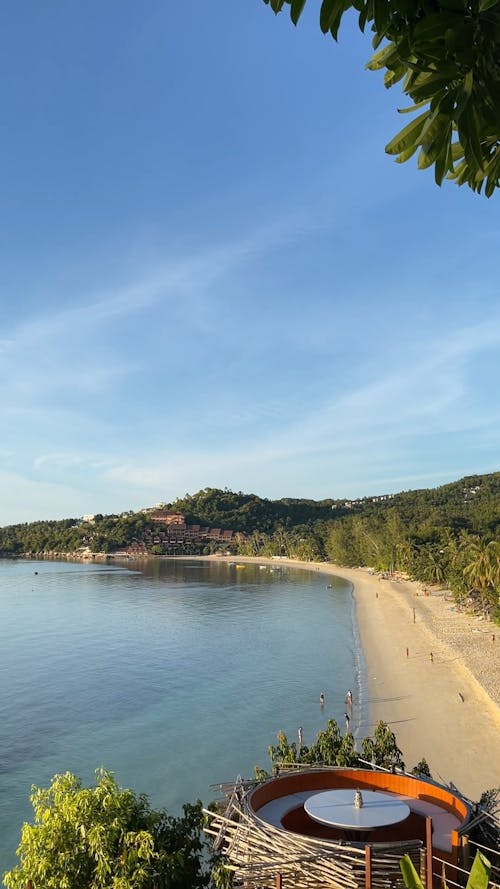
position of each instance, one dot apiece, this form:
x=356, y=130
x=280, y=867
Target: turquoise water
x=175, y=675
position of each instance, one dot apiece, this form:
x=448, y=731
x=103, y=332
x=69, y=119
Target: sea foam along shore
x=444, y=708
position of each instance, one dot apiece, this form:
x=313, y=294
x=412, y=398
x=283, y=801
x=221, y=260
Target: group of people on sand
x=347, y=714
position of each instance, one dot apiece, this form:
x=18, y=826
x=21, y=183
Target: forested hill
x=472, y=503
x=248, y=512
x=448, y=535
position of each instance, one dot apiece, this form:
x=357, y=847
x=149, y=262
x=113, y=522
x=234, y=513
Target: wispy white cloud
x=431, y=386
x=254, y=437
x=423, y=398
x=184, y=276
x=63, y=461
x=74, y=347
x=25, y=499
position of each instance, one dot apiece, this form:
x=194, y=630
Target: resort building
x=170, y=532
x=164, y=517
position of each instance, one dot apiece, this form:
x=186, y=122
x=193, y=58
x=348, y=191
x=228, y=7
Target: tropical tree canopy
x=333, y=748
x=446, y=54
x=106, y=837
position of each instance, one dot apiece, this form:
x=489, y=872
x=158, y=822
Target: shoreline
x=445, y=709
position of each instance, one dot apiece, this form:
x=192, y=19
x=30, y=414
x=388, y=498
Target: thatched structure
x=264, y=853
x=257, y=854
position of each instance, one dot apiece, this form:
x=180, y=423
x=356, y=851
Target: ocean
x=175, y=675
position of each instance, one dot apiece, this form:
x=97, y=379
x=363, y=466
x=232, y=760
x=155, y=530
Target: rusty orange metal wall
x=363, y=778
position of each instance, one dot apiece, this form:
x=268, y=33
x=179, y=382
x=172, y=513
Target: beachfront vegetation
x=105, y=837
x=332, y=748
x=445, y=54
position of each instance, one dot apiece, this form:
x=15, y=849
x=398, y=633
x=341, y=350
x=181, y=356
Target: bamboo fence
x=258, y=852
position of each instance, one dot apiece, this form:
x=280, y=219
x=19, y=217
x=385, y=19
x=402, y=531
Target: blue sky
x=212, y=274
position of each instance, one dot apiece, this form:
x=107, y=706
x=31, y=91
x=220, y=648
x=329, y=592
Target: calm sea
x=175, y=675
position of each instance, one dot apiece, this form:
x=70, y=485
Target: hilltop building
x=172, y=534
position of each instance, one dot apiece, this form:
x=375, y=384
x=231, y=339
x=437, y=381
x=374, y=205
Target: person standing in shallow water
x=348, y=700
x=299, y=733
x=321, y=700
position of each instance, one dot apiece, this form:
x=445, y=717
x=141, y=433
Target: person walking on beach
x=321, y=700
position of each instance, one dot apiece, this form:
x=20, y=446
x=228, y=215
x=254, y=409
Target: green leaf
x=460, y=38
x=327, y=14
x=405, y=51
x=432, y=27
x=464, y=95
x=487, y=4
x=363, y=18
x=479, y=873
x=493, y=165
x=392, y=77
x=471, y=139
x=428, y=87
x=381, y=15
x=408, y=136
x=383, y=58
x=334, y=27
x=410, y=876
x=457, y=151
x=434, y=126
x=442, y=166
x=406, y=155
x=296, y=9
x=429, y=154
x=412, y=107
x=276, y=5
x=490, y=187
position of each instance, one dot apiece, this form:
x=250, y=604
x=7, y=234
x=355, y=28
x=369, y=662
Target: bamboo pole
x=256, y=851
x=368, y=867
x=465, y=862
x=428, y=846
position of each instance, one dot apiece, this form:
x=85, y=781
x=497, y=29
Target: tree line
x=108, y=837
x=448, y=535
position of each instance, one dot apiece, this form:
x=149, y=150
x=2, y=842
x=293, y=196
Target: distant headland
x=449, y=536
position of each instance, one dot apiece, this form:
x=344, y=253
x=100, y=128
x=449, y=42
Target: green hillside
x=448, y=535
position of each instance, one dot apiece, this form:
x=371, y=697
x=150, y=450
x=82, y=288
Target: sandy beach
x=444, y=708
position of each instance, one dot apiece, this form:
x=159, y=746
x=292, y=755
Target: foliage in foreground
x=446, y=55
x=105, y=837
x=479, y=875
x=332, y=748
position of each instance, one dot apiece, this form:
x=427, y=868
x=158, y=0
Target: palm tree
x=482, y=569
x=434, y=567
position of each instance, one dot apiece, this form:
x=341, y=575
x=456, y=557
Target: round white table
x=336, y=809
